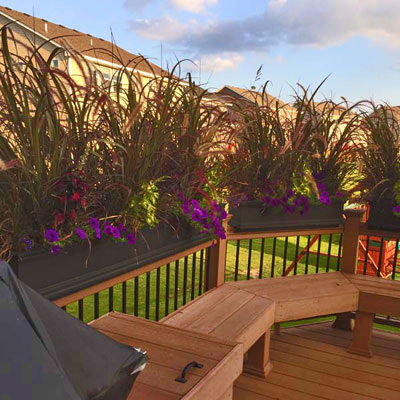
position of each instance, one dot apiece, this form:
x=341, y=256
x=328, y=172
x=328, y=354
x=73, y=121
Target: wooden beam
x=216, y=276
x=258, y=362
x=362, y=334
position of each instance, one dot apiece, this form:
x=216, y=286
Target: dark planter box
x=381, y=216
x=252, y=216
x=55, y=276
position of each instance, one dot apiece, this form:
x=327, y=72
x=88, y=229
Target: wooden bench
x=230, y=313
x=376, y=296
x=244, y=311
x=305, y=296
x=170, y=350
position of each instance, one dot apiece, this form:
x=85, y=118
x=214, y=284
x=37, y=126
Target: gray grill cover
x=47, y=354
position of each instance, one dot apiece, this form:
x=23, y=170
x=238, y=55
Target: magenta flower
x=339, y=195
x=98, y=233
x=94, y=223
x=108, y=229
x=130, y=237
x=122, y=228
x=115, y=232
x=55, y=249
x=80, y=232
x=396, y=209
x=52, y=235
x=195, y=204
x=186, y=207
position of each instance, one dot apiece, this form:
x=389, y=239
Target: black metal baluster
x=167, y=277
x=273, y=258
x=193, y=275
x=201, y=272
x=185, y=278
x=124, y=297
x=147, y=315
x=366, y=257
x=296, y=255
x=260, y=272
x=395, y=259
x=80, y=309
x=237, y=260
x=380, y=257
x=111, y=298
x=285, y=255
x=339, y=252
x=136, y=295
x=318, y=253
x=208, y=252
x=307, y=253
x=328, y=258
x=96, y=306
x=176, y=285
x=158, y=279
x=249, y=258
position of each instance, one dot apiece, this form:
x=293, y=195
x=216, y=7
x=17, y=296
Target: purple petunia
x=122, y=228
x=186, y=207
x=80, y=232
x=224, y=214
x=130, y=237
x=115, y=232
x=52, y=235
x=107, y=229
x=339, y=195
x=55, y=249
x=98, y=233
x=94, y=223
x=197, y=215
x=396, y=209
x=195, y=204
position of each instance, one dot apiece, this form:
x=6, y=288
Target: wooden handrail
x=232, y=235
x=81, y=294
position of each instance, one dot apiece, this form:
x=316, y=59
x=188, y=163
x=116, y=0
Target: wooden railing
x=158, y=289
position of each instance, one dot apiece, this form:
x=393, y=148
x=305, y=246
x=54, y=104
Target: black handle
x=193, y=364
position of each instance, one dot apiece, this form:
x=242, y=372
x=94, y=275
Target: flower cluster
x=118, y=233
x=290, y=202
x=70, y=192
x=210, y=219
x=396, y=210
x=324, y=196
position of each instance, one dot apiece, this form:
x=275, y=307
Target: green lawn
x=150, y=280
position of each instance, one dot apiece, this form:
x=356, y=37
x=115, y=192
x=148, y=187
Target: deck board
x=311, y=362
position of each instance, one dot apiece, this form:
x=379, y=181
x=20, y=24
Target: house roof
x=250, y=95
x=83, y=43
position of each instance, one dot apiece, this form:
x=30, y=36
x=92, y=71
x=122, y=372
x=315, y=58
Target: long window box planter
x=55, y=276
x=251, y=216
x=381, y=216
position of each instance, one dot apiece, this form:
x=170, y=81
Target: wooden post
x=349, y=262
x=258, y=363
x=362, y=335
x=216, y=276
x=351, y=237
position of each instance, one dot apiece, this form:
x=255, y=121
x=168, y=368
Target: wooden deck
x=312, y=362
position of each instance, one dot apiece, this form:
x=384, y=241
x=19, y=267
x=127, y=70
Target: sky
x=225, y=42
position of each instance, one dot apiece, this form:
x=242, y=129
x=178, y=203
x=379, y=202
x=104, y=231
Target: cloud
x=303, y=23
x=280, y=59
x=193, y=6
x=162, y=29
x=219, y=63
x=137, y=5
